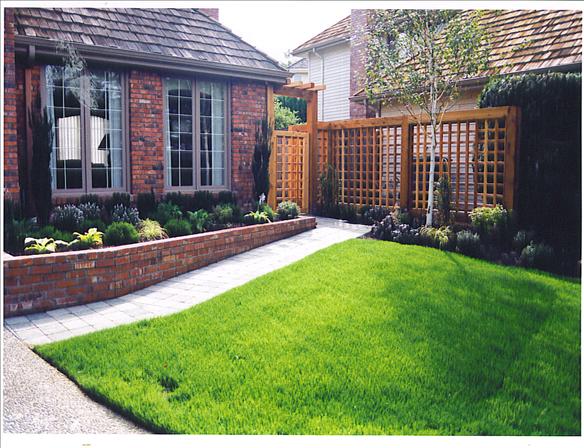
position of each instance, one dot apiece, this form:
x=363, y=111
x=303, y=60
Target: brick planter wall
x=44, y=282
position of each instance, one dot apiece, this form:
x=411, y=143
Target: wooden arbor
x=309, y=92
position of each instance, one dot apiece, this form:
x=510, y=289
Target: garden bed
x=44, y=282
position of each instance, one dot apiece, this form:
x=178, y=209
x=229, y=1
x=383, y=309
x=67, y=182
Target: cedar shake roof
x=531, y=40
x=340, y=30
x=188, y=34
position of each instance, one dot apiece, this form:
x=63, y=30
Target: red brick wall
x=43, y=282
x=248, y=105
x=146, y=132
x=11, y=186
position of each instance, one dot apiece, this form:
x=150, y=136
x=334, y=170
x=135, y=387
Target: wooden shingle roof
x=187, y=34
x=340, y=30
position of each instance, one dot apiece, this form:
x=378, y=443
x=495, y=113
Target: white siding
x=333, y=103
x=466, y=101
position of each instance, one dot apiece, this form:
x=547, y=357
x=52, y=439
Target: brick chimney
x=359, y=28
x=211, y=12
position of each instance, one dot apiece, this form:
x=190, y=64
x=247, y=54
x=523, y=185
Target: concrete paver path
x=183, y=291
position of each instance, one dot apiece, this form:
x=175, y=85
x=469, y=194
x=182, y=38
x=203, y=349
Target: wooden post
x=404, y=195
x=512, y=122
x=312, y=128
x=272, y=172
x=305, y=206
x=270, y=104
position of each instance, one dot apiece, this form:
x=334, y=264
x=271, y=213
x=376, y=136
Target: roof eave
x=320, y=45
x=48, y=48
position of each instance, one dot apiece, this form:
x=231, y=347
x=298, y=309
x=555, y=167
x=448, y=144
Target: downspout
x=321, y=81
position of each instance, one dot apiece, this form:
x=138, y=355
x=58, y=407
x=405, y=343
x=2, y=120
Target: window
x=86, y=110
x=195, y=134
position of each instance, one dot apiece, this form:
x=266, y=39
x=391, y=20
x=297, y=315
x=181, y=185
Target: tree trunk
x=430, y=209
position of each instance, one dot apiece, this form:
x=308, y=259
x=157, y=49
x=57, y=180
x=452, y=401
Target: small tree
x=418, y=58
x=42, y=145
x=261, y=158
x=284, y=116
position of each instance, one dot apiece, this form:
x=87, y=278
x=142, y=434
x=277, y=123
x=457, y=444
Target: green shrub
x=119, y=233
x=539, y=256
x=52, y=232
x=441, y=238
x=178, y=227
x=91, y=239
x=287, y=210
x=167, y=211
x=116, y=199
x=203, y=199
x=442, y=199
x=87, y=224
x=382, y=230
x=226, y=197
x=199, y=220
x=267, y=210
x=256, y=217
x=468, y=243
x=183, y=201
x=12, y=210
x=329, y=187
x=223, y=214
x=150, y=230
x=40, y=246
x=15, y=231
x=123, y=213
x=348, y=213
x=89, y=199
x=90, y=210
x=146, y=204
x=67, y=217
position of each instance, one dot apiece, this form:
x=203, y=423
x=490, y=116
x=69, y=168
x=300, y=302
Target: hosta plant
x=199, y=220
x=91, y=239
x=256, y=217
x=43, y=245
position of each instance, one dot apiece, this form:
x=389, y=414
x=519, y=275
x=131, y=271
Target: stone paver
x=181, y=292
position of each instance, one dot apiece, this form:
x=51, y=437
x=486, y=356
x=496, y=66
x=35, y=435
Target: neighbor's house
x=169, y=100
x=522, y=41
x=299, y=70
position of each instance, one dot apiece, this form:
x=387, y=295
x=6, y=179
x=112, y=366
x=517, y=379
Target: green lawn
x=363, y=337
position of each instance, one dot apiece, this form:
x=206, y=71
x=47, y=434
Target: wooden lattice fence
x=386, y=161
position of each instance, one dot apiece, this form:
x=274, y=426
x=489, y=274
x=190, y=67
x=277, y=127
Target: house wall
x=333, y=103
x=11, y=186
x=145, y=129
x=466, y=101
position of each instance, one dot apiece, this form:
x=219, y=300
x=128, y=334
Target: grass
x=365, y=337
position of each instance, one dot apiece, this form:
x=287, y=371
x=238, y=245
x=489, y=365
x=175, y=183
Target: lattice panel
x=291, y=150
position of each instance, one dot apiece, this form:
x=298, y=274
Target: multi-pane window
x=86, y=111
x=195, y=134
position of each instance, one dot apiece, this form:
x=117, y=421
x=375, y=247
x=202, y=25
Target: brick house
x=168, y=100
x=522, y=41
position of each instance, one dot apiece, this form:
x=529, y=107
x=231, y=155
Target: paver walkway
x=181, y=292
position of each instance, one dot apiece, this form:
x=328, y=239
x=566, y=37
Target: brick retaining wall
x=44, y=282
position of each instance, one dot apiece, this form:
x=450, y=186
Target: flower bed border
x=45, y=282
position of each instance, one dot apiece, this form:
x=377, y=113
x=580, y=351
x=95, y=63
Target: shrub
x=203, y=200
x=405, y=234
x=287, y=210
x=493, y=224
x=223, y=214
x=90, y=210
x=146, y=204
x=375, y=214
x=199, y=220
x=468, y=243
x=40, y=172
x=15, y=231
x=122, y=213
x=260, y=159
x=329, y=187
x=150, y=230
x=226, y=197
x=66, y=217
x=539, y=256
x=42, y=246
x=117, y=199
x=167, y=211
x=256, y=217
x=441, y=238
x=52, y=232
x=267, y=210
x=87, y=224
x=348, y=213
x=178, y=227
x=89, y=199
x=442, y=195
x=119, y=233
x=91, y=239
x=521, y=239
x=183, y=201
x=382, y=230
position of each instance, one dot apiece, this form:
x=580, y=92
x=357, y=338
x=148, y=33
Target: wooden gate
x=289, y=172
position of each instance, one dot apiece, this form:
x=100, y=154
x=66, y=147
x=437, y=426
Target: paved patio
x=181, y=292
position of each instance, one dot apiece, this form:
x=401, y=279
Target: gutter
x=321, y=81
x=478, y=82
x=321, y=45
x=47, y=49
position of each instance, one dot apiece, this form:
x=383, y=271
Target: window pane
x=179, y=132
x=105, y=133
x=63, y=108
x=212, y=140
